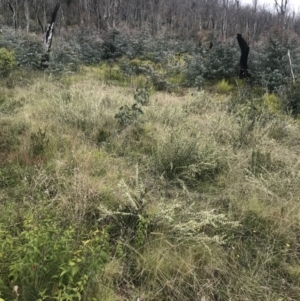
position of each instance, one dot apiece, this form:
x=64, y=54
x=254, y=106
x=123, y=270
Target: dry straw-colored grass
x=192, y=150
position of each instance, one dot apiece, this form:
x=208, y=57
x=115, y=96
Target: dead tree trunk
x=27, y=16
x=38, y=19
x=291, y=66
x=14, y=15
x=244, y=73
x=48, y=38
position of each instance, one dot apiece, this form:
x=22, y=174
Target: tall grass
x=198, y=198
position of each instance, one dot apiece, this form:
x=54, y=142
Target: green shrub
x=128, y=115
x=194, y=72
x=7, y=62
x=27, y=47
x=141, y=96
x=65, y=57
x=90, y=47
x=273, y=102
x=224, y=87
x=270, y=65
x=46, y=261
x=159, y=81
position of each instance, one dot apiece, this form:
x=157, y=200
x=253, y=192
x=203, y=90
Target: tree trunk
x=225, y=19
x=48, y=38
x=281, y=10
x=244, y=57
x=13, y=15
x=291, y=66
x=27, y=16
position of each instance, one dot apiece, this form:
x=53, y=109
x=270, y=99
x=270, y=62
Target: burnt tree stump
x=48, y=38
x=244, y=73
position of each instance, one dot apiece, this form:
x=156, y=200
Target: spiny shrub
x=131, y=220
x=159, y=81
x=219, y=63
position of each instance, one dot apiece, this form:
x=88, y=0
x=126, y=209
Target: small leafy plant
x=141, y=96
x=224, y=87
x=129, y=115
x=45, y=260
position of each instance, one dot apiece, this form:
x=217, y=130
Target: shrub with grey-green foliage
x=128, y=115
x=218, y=63
x=29, y=52
x=221, y=62
x=194, y=73
x=114, y=45
x=141, y=96
x=65, y=57
x=271, y=67
x=90, y=47
x=27, y=47
x=140, y=44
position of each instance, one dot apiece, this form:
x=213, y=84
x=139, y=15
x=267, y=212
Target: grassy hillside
x=173, y=198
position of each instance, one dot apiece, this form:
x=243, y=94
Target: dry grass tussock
x=199, y=199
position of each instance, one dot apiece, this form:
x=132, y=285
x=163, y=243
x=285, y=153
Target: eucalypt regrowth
x=129, y=115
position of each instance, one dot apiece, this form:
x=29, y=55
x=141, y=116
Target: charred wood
x=48, y=38
x=244, y=73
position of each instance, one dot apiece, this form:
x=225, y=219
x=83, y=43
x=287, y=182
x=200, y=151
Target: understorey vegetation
x=160, y=63
x=111, y=191
x=141, y=165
